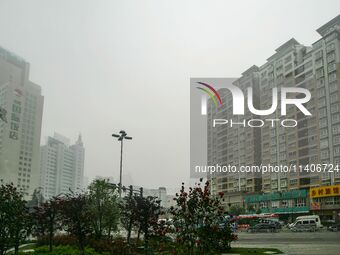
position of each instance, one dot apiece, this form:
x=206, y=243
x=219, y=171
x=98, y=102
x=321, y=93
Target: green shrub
x=100, y=245
x=58, y=240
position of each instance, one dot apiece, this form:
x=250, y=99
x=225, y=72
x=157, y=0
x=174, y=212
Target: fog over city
x=106, y=66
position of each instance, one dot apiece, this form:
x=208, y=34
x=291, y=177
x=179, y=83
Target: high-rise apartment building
x=237, y=146
x=62, y=166
x=21, y=103
x=315, y=139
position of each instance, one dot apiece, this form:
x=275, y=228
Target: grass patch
x=257, y=251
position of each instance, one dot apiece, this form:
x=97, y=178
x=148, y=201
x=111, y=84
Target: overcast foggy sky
x=111, y=65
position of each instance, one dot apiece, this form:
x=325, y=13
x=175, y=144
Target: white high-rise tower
x=62, y=166
x=21, y=105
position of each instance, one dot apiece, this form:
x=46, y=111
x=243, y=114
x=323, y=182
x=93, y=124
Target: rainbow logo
x=213, y=94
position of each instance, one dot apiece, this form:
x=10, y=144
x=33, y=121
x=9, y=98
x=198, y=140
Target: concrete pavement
x=293, y=243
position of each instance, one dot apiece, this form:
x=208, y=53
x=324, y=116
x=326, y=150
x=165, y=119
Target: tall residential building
x=22, y=103
x=237, y=146
x=62, y=166
x=315, y=140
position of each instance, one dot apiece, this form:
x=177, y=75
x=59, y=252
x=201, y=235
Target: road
x=293, y=243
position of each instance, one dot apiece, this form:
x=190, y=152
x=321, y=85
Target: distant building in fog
x=160, y=193
x=86, y=182
x=62, y=166
x=21, y=105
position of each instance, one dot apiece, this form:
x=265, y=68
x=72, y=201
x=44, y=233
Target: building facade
x=236, y=146
x=159, y=193
x=325, y=201
x=315, y=139
x=21, y=103
x=62, y=166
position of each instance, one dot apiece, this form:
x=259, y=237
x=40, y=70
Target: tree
x=76, y=217
x=147, y=214
x=129, y=212
x=15, y=219
x=236, y=210
x=47, y=219
x=201, y=227
x=104, y=207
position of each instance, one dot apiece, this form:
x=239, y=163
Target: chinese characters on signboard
x=325, y=191
x=15, y=120
x=3, y=114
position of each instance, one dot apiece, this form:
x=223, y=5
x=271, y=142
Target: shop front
x=288, y=205
x=325, y=201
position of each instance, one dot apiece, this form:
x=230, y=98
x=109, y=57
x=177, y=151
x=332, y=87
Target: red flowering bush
x=200, y=224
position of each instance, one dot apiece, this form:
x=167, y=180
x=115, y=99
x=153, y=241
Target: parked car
x=263, y=227
x=334, y=227
x=276, y=223
x=304, y=225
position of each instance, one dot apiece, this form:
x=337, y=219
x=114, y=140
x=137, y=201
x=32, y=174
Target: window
x=337, y=200
x=332, y=77
x=300, y=202
x=319, y=62
x=330, y=57
x=323, y=144
x=331, y=67
x=323, y=122
x=336, y=117
x=321, y=92
x=320, y=83
x=337, y=150
x=330, y=47
x=322, y=112
x=334, y=98
x=336, y=139
x=288, y=67
x=287, y=59
x=322, y=102
x=308, y=64
x=293, y=182
x=263, y=205
x=324, y=154
x=336, y=129
x=334, y=108
x=285, y=203
x=323, y=132
x=275, y=204
x=319, y=73
x=333, y=87
x=318, y=54
x=283, y=183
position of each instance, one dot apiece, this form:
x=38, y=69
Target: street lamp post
x=121, y=136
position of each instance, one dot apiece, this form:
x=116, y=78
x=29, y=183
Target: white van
x=316, y=218
x=304, y=225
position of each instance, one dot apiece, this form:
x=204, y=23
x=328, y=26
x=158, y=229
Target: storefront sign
x=325, y=191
